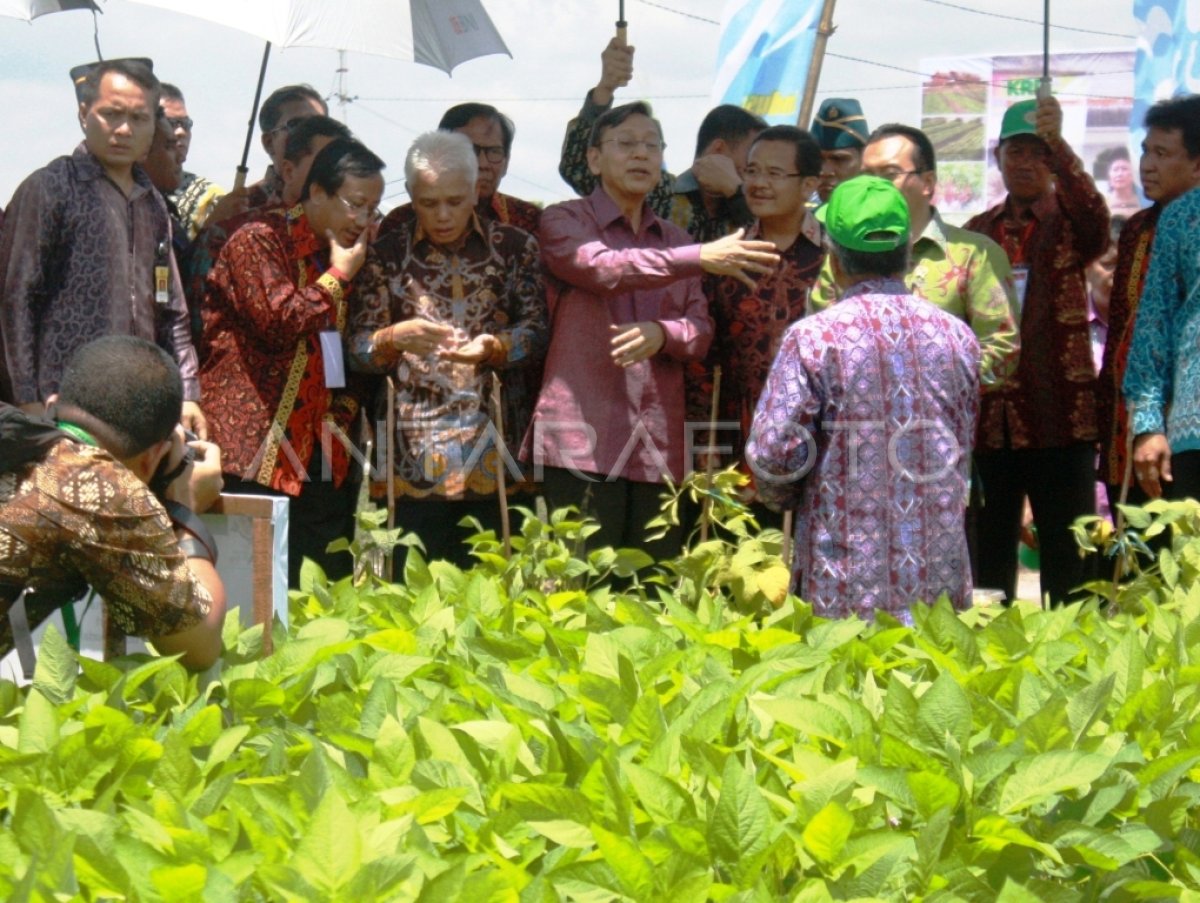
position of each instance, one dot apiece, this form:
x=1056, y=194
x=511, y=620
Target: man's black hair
x=871, y=263
x=138, y=73
x=808, y=152
x=1182, y=113
x=617, y=115
x=924, y=157
x=130, y=385
x=728, y=122
x=458, y=116
x=272, y=108
x=170, y=92
x=338, y=159
x=300, y=136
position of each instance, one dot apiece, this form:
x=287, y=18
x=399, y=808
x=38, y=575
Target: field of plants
x=559, y=726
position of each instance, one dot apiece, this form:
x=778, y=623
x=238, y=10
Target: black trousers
x=621, y=507
x=1060, y=483
x=320, y=514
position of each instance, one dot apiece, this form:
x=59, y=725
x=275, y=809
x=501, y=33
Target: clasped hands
x=424, y=337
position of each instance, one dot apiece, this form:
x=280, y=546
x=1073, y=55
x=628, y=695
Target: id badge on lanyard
x=1020, y=275
x=331, y=357
x=162, y=275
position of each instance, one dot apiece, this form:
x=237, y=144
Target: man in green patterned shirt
x=961, y=272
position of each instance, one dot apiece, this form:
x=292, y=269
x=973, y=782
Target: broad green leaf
x=812, y=719
x=662, y=798
x=740, y=828
x=826, y=834
x=38, y=724
x=621, y=853
x=933, y=792
x=330, y=851
x=1039, y=777
x=56, y=668
x=943, y=710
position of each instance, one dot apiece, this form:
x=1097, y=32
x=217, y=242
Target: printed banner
x=964, y=99
x=763, y=56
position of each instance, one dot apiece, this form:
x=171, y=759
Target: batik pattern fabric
x=77, y=261
x=79, y=518
x=499, y=208
x=865, y=429
x=488, y=282
x=1050, y=402
x=748, y=326
x=1129, y=278
x=1162, y=377
x=677, y=199
x=968, y=275
x=269, y=297
x=193, y=201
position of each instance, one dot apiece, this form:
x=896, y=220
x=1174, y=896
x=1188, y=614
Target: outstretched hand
x=738, y=257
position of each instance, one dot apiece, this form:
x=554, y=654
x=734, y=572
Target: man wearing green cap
x=866, y=422
x=841, y=132
x=1038, y=431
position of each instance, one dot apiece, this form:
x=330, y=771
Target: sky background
x=875, y=56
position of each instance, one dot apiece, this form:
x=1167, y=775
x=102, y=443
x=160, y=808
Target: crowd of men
x=903, y=384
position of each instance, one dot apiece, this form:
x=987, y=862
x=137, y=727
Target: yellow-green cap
x=866, y=213
x=1019, y=119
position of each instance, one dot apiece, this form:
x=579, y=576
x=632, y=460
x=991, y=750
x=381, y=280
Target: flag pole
x=1044, y=87
x=824, y=30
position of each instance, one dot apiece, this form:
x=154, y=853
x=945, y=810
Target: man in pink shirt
x=627, y=312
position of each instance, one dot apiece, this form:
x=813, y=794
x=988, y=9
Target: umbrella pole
x=622, y=25
x=239, y=181
x=1044, y=87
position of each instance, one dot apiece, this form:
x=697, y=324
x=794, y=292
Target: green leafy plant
x=525, y=731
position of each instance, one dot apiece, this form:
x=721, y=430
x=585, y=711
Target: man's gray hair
x=441, y=153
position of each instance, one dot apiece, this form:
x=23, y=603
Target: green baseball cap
x=1020, y=119
x=866, y=213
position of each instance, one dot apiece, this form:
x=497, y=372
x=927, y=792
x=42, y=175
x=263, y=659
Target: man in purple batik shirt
x=627, y=312
x=866, y=422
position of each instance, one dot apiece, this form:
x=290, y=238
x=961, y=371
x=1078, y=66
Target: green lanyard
x=68, y=610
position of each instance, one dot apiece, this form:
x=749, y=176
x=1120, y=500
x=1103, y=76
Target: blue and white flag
x=762, y=61
x=1168, y=53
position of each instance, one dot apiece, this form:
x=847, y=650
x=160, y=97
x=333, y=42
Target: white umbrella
x=438, y=33
x=28, y=10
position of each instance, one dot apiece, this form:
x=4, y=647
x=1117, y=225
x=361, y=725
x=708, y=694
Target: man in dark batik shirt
x=450, y=300
x=750, y=317
x=86, y=249
x=1037, y=431
x=708, y=200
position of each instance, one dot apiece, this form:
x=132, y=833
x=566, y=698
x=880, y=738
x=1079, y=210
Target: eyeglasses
x=180, y=122
x=493, y=153
x=286, y=126
x=358, y=210
x=769, y=175
x=893, y=175
x=629, y=145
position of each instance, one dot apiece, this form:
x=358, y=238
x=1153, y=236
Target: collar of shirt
x=88, y=168
x=306, y=242
x=607, y=212
x=475, y=227
x=884, y=286
x=810, y=229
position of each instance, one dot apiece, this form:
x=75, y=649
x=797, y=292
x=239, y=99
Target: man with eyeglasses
x=707, y=200
x=304, y=140
x=274, y=318
x=285, y=106
x=491, y=134
x=197, y=200
x=964, y=273
x=1037, y=430
x=781, y=174
x=628, y=313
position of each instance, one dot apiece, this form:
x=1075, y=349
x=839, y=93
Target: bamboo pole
x=710, y=457
x=824, y=30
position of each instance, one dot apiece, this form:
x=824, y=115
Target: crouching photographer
x=106, y=493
